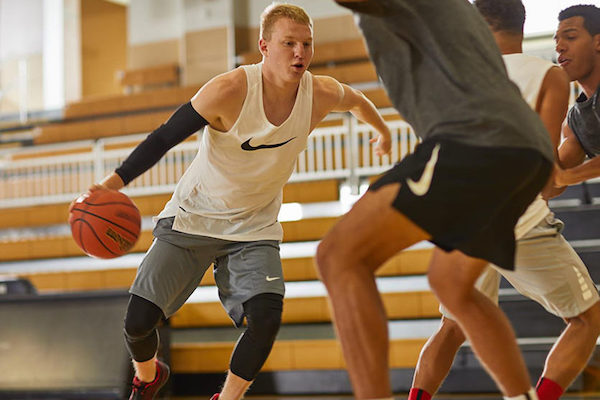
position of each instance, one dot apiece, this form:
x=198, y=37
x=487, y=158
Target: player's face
x=290, y=48
x=577, y=49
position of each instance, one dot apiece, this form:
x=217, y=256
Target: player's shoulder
x=225, y=86
x=230, y=83
x=220, y=94
x=556, y=78
x=327, y=88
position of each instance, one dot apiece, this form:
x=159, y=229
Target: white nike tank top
x=528, y=73
x=233, y=188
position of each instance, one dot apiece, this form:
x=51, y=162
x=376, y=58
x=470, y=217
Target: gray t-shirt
x=445, y=75
x=584, y=121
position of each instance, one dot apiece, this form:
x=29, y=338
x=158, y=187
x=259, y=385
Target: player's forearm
x=551, y=192
x=583, y=172
x=366, y=112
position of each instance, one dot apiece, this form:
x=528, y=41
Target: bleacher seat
x=150, y=77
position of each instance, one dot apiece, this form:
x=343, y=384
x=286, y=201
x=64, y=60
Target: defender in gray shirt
x=484, y=156
x=578, y=47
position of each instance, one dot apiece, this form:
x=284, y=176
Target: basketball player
x=547, y=269
x=578, y=47
x=256, y=121
x=485, y=156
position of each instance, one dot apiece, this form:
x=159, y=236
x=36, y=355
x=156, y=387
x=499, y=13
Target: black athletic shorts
x=468, y=198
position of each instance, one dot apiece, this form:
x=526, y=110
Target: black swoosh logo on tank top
x=248, y=147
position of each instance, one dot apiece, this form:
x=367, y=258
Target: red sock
x=418, y=394
x=547, y=389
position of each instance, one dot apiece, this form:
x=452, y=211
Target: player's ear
x=596, y=42
x=262, y=46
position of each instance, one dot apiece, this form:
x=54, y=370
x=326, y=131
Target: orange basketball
x=105, y=223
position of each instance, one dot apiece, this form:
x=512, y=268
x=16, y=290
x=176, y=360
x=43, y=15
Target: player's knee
x=439, y=284
x=332, y=258
x=448, y=291
x=141, y=319
x=322, y=259
x=136, y=328
x=452, y=331
x=263, y=314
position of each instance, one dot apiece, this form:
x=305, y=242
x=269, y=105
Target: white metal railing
x=341, y=151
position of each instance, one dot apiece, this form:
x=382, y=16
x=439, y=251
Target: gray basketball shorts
x=547, y=270
x=176, y=262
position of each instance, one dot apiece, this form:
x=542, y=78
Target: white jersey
x=528, y=73
x=233, y=188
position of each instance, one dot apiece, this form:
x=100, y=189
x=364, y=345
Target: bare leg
x=234, y=387
x=452, y=276
x=145, y=370
x=437, y=356
x=573, y=349
x=347, y=258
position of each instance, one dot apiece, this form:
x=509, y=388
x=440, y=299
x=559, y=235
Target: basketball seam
x=107, y=220
x=109, y=203
x=96, y=235
x=81, y=234
x=83, y=221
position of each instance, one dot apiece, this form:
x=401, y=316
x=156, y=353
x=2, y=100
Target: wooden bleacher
x=150, y=77
x=120, y=104
x=358, y=72
x=286, y=355
x=298, y=269
x=100, y=127
x=403, y=305
x=301, y=192
x=63, y=246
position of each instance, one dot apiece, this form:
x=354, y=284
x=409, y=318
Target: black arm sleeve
x=184, y=122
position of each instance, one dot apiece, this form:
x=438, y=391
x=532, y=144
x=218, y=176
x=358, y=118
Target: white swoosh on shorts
x=421, y=187
x=269, y=279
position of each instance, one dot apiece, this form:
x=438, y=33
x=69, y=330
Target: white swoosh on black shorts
x=421, y=187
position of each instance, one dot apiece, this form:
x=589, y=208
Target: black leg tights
x=263, y=315
x=140, y=331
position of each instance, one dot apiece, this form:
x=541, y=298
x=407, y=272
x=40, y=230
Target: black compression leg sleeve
x=263, y=315
x=140, y=331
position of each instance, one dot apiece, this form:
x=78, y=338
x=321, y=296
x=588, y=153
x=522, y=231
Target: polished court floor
x=568, y=396
x=587, y=396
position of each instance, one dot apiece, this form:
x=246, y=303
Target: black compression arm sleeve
x=182, y=124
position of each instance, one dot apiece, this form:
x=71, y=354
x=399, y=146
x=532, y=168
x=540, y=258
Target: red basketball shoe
x=147, y=390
